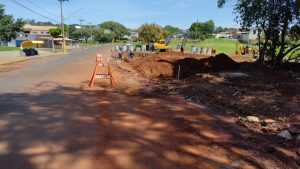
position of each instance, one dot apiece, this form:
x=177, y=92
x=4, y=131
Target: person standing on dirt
x=131, y=54
x=120, y=54
x=182, y=49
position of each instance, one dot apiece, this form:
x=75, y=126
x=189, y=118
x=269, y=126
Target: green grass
x=5, y=48
x=221, y=45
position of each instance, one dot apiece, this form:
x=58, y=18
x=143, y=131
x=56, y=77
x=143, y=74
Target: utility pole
x=81, y=20
x=62, y=26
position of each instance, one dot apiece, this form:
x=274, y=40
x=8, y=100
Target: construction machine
x=163, y=45
x=241, y=50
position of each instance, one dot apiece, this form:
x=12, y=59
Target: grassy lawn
x=221, y=45
x=5, y=48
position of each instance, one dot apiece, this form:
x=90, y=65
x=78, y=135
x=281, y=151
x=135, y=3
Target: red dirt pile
x=190, y=66
x=166, y=65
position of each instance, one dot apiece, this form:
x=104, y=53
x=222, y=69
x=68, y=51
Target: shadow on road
x=69, y=127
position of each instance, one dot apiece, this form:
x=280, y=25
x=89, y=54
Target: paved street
x=44, y=118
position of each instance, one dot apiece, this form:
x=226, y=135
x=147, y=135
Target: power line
x=41, y=8
x=34, y=11
x=73, y=13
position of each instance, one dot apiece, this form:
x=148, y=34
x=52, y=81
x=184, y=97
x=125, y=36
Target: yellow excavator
x=163, y=45
x=242, y=50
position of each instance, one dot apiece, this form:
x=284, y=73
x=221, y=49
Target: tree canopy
x=220, y=29
x=151, y=32
x=82, y=33
x=103, y=36
x=202, y=30
x=55, y=32
x=8, y=25
x=203, y=27
x=276, y=20
x=171, y=29
x=119, y=30
x=39, y=23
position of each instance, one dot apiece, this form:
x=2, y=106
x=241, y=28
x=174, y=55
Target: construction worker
x=120, y=54
x=131, y=54
x=182, y=49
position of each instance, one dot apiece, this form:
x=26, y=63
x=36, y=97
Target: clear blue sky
x=131, y=13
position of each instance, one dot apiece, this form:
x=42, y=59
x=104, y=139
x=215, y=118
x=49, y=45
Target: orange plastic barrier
x=107, y=75
x=99, y=58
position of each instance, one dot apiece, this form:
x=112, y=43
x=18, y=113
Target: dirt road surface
x=51, y=119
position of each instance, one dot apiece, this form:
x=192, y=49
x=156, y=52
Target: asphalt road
x=26, y=74
x=51, y=119
x=45, y=121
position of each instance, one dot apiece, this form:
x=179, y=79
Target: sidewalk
x=8, y=57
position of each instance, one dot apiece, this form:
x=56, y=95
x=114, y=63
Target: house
x=134, y=34
x=234, y=32
x=248, y=36
x=224, y=35
x=29, y=32
x=35, y=32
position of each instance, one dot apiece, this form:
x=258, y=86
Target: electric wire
x=41, y=8
x=34, y=11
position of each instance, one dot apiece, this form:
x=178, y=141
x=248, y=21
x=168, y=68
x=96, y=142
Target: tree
x=119, y=30
x=103, y=36
x=38, y=23
x=202, y=30
x=150, y=33
x=71, y=29
x=9, y=27
x=209, y=27
x=83, y=33
x=203, y=27
x=218, y=29
x=55, y=32
x=170, y=29
x=273, y=19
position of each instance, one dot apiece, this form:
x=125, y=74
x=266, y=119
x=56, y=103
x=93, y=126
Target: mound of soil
x=191, y=66
x=218, y=63
x=167, y=64
x=152, y=68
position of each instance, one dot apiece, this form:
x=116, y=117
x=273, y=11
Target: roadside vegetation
x=221, y=45
x=4, y=48
x=8, y=25
x=277, y=24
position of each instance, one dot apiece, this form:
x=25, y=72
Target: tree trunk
x=261, y=56
x=264, y=48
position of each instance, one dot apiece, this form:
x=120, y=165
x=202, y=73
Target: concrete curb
x=29, y=58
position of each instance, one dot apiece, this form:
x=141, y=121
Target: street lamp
x=62, y=26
